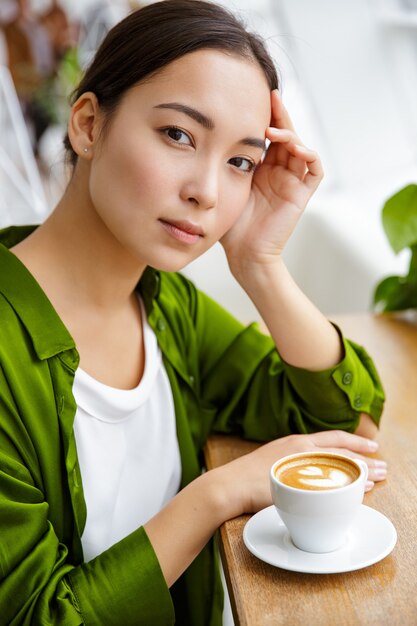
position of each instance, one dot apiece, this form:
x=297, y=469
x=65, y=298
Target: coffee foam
x=317, y=473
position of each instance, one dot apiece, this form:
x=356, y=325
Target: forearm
x=303, y=336
x=366, y=427
x=180, y=531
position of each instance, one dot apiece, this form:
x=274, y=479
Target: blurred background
x=349, y=79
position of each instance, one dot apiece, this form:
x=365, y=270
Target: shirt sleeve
x=258, y=395
x=40, y=585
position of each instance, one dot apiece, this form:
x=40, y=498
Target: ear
x=84, y=124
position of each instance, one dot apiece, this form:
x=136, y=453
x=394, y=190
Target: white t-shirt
x=127, y=449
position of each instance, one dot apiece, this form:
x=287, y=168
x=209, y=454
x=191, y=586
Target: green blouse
x=224, y=377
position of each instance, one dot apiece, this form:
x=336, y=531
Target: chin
x=173, y=260
x=170, y=265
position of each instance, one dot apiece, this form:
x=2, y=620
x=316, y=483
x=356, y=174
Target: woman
x=115, y=369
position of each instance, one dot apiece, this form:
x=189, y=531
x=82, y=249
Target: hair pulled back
x=152, y=37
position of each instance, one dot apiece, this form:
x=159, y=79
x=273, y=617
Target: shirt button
x=347, y=378
x=160, y=324
x=357, y=402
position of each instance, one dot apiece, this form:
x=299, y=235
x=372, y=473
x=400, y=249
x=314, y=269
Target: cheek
x=127, y=176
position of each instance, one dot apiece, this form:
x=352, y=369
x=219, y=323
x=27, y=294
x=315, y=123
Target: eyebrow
x=207, y=122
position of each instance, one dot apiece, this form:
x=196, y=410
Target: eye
x=242, y=164
x=177, y=135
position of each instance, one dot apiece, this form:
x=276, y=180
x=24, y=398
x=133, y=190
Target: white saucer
x=371, y=538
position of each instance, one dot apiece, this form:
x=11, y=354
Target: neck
x=74, y=255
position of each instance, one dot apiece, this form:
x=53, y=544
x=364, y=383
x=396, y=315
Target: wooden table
x=384, y=594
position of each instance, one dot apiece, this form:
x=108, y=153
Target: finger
x=281, y=119
x=283, y=135
x=377, y=474
x=310, y=158
x=377, y=469
x=315, y=170
x=279, y=114
x=342, y=439
x=286, y=150
x=277, y=153
x=304, y=162
x=369, y=485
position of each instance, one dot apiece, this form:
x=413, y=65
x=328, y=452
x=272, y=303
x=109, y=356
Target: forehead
x=229, y=88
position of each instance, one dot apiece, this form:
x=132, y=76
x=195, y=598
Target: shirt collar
x=149, y=287
x=18, y=286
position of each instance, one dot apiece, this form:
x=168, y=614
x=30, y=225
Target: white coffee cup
x=319, y=505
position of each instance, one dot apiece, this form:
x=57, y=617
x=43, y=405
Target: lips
x=183, y=232
x=185, y=226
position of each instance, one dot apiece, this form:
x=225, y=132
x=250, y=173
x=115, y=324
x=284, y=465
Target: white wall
x=350, y=82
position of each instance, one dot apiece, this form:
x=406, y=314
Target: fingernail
x=369, y=485
x=373, y=445
x=380, y=473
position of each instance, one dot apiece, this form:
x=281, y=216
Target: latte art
x=317, y=473
x=322, y=477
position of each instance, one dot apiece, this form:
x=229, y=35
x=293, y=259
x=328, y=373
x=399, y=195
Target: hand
x=246, y=479
x=281, y=188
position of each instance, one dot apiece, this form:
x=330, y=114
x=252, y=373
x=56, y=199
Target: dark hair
x=152, y=37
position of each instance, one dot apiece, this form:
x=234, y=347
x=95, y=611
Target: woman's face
x=175, y=167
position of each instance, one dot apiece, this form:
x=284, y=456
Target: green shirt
x=224, y=378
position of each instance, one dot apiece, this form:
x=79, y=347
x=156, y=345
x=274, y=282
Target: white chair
x=22, y=197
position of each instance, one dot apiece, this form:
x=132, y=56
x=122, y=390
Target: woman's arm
x=366, y=427
x=42, y=583
x=281, y=188
x=180, y=531
x=303, y=336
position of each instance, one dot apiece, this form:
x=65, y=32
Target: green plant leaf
x=395, y=293
x=399, y=218
x=412, y=270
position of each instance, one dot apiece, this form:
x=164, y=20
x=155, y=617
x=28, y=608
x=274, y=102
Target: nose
x=201, y=186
